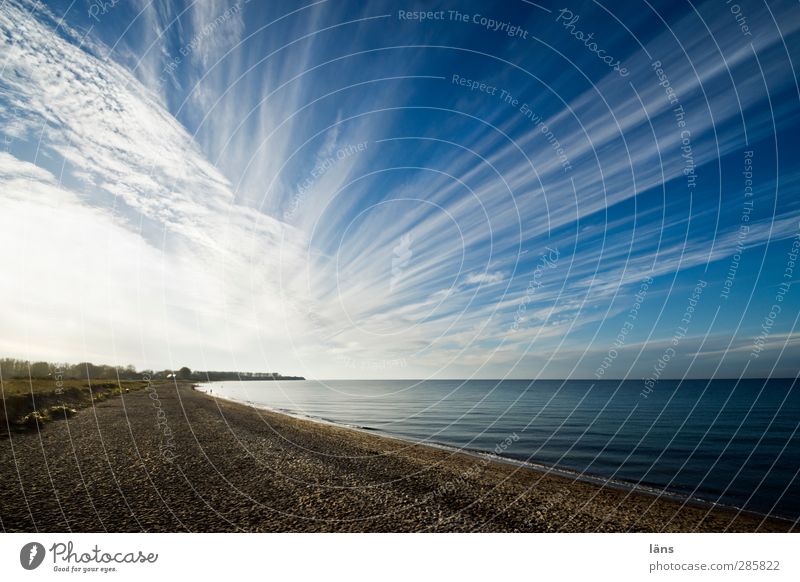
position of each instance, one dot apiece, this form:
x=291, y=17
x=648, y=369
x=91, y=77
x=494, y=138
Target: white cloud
x=484, y=278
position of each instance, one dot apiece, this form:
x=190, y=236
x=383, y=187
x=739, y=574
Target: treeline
x=211, y=376
x=15, y=368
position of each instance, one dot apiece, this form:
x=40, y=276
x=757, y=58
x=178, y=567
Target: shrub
x=34, y=419
x=61, y=412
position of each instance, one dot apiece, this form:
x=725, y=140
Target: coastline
x=234, y=467
x=540, y=468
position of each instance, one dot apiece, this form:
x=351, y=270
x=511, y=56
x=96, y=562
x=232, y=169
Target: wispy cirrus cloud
x=257, y=167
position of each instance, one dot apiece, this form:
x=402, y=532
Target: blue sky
x=341, y=190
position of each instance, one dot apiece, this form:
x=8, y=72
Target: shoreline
x=541, y=468
x=233, y=467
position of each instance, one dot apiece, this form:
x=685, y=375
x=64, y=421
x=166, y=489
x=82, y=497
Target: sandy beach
x=174, y=459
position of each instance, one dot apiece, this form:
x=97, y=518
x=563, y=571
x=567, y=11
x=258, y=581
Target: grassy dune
x=26, y=404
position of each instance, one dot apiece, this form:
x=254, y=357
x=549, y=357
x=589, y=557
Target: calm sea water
x=723, y=441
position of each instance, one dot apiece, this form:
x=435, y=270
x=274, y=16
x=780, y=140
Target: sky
x=342, y=189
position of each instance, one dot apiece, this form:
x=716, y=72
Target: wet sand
x=175, y=459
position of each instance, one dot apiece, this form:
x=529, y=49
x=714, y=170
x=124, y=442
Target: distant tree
x=13, y=368
x=86, y=370
x=75, y=371
x=7, y=368
x=40, y=370
x=184, y=373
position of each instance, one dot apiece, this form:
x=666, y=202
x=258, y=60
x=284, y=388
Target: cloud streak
x=240, y=181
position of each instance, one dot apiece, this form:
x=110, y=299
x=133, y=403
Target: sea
x=724, y=442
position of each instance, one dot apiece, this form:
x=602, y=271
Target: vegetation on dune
x=33, y=393
x=30, y=403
